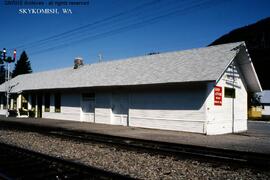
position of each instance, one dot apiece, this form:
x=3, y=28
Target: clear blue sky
x=193, y=26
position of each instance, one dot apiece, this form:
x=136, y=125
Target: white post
x=11, y=103
x=36, y=107
x=7, y=113
x=52, y=103
x=43, y=103
x=19, y=102
x=29, y=100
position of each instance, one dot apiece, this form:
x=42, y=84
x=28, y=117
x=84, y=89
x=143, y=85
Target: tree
x=2, y=68
x=22, y=66
x=255, y=99
x=152, y=53
x=2, y=74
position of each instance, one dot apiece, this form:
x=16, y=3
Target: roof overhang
x=243, y=60
x=245, y=64
x=126, y=87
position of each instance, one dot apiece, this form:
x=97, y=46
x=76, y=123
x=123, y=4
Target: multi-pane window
x=57, y=102
x=47, y=102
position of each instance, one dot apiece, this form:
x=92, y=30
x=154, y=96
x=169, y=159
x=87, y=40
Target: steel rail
x=19, y=163
x=257, y=160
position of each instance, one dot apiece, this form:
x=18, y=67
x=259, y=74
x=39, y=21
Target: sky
x=119, y=29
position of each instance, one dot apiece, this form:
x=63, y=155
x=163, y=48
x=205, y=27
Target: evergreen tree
x=22, y=66
x=2, y=74
x=2, y=69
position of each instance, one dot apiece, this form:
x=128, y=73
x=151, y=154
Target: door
x=120, y=106
x=88, y=107
x=230, y=95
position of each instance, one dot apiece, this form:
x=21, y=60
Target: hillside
x=257, y=38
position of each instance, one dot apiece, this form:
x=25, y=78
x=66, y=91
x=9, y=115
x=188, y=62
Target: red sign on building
x=218, y=96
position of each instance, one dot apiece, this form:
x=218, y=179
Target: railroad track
x=18, y=163
x=256, y=160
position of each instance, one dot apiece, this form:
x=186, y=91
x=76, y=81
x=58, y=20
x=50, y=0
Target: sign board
x=218, y=96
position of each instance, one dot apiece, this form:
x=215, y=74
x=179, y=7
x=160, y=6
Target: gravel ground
x=136, y=164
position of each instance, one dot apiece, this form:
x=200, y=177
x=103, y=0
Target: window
x=57, y=102
x=25, y=101
x=229, y=92
x=47, y=102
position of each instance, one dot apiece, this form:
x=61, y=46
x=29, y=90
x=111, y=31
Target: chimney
x=78, y=62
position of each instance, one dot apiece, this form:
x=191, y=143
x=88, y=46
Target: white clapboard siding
x=70, y=108
x=103, y=110
x=167, y=124
x=88, y=117
x=180, y=110
x=103, y=115
x=193, y=115
x=120, y=107
x=220, y=118
x=62, y=116
x=119, y=119
x=240, y=105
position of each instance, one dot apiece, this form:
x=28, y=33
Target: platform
x=256, y=139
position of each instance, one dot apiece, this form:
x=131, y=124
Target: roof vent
x=78, y=62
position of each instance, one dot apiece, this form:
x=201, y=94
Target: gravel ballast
x=128, y=162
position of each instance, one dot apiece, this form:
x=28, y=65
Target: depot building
x=202, y=90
